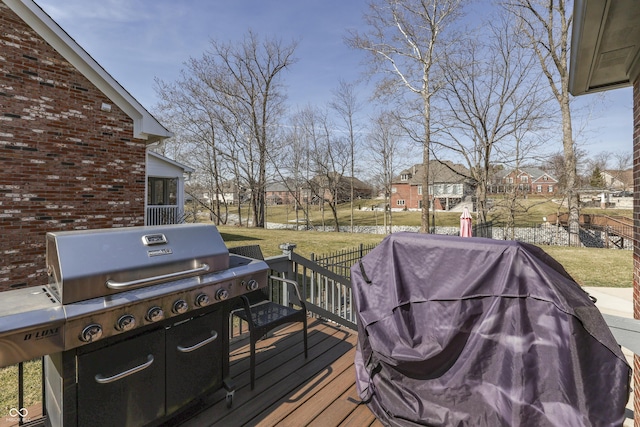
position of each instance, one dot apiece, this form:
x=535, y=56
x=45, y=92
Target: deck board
x=291, y=390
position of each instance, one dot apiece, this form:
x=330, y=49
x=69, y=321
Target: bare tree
x=547, y=24
x=292, y=162
x=345, y=103
x=192, y=114
x=383, y=144
x=495, y=105
x=406, y=39
x=329, y=158
x=238, y=92
x=622, y=162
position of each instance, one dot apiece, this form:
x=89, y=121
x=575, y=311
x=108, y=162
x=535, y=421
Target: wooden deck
x=291, y=390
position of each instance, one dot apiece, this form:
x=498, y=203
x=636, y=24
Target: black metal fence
x=592, y=236
x=340, y=262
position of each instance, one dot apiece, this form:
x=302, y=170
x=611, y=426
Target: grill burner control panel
x=126, y=314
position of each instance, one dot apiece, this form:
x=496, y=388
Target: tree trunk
x=573, y=198
x=425, y=224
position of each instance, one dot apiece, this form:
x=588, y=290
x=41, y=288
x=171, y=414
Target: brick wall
x=406, y=192
x=65, y=163
x=636, y=243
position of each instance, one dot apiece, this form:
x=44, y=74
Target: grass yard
x=528, y=211
x=595, y=267
x=588, y=266
x=9, y=386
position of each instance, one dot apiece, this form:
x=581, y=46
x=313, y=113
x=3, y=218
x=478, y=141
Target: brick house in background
x=281, y=193
x=528, y=180
x=72, y=143
x=449, y=186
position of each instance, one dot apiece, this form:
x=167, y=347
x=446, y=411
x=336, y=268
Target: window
x=420, y=190
x=405, y=176
x=550, y=188
x=510, y=180
x=539, y=188
x=162, y=191
x=400, y=202
x=394, y=190
x=524, y=179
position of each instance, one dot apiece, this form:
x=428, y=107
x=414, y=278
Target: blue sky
x=138, y=40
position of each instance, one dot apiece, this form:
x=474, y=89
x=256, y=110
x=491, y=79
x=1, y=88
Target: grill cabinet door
x=194, y=358
x=107, y=397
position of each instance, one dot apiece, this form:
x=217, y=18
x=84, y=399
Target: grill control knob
x=155, y=314
x=202, y=300
x=252, y=285
x=126, y=323
x=180, y=306
x=222, y=294
x=91, y=333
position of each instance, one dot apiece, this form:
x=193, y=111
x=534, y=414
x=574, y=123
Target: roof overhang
x=185, y=168
x=605, y=45
x=145, y=126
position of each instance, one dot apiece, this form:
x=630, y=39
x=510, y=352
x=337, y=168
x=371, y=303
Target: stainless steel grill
x=128, y=309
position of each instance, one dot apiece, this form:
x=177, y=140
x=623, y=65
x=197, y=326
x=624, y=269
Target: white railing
x=164, y=215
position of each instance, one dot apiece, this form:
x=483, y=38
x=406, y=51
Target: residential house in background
x=73, y=143
x=448, y=186
x=281, y=193
x=321, y=187
x=165, y=190
x=527, y=180
x=229, y=193
x=619, y=180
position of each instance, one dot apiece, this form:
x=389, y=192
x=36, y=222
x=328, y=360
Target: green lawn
x=588, y=266
x=9, y=386
x=530, y=210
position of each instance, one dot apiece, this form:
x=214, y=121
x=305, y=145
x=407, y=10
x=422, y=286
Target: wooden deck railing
x=328, y=294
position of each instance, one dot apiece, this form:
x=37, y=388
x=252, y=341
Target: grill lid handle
x=118, y=286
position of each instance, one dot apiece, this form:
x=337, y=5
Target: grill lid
x=95, y=263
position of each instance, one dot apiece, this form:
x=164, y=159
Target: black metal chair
x=263, y=315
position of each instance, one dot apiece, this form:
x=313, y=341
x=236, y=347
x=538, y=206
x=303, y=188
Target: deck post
x=287, y=249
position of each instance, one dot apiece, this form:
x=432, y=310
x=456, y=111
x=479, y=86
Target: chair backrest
x=252, y=251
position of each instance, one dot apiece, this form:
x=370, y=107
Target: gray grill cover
x=477, y=332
